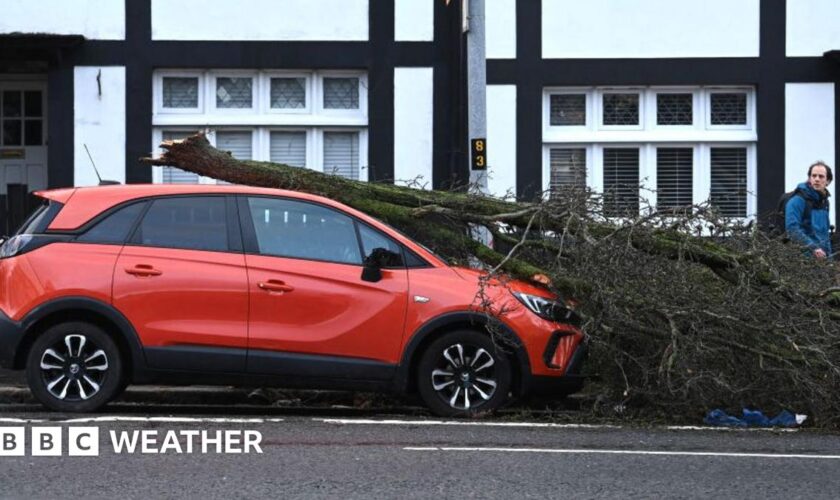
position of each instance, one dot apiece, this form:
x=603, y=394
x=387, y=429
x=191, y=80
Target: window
x=310, y=119
x=568, y=168
x=341, y=93
x=287, y=228
x=115, y=227
x=674, y=177
x=288, y=93
x=654, y=148
x=729, y=181
x=237, y=143
x=21, y=118
x=728, y=108
x=621, y=182
x=373, y=239
x=180, y=92
x=621, y=109
x=674, y=109
x=341, y=154
x=288, y=148
x=568, y=109
x=234, y=93
x=197, y=223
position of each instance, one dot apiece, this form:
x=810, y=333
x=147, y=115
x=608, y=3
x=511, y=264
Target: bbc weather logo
x=84, y=441
x=48, y=442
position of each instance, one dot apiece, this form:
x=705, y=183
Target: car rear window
x=40, y=218
x=114, y=228
x=196, y=223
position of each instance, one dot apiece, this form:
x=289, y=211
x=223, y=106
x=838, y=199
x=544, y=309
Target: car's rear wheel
x=463, y=373
x=74, y=367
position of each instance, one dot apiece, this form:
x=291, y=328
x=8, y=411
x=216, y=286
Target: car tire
x=74, y=367
x=463, y=373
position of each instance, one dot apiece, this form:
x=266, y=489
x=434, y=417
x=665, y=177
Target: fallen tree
x=685, y=310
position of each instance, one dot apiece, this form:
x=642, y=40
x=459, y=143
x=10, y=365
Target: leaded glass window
x=674, y=109
x=621, y=109
x=729, y=108
x=288, y=93
x=568, y=109
x=341, y=93
x=236, y=93
x=180, y=92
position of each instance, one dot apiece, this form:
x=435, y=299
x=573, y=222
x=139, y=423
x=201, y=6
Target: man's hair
x=820, y=163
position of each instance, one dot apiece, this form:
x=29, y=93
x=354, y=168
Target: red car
x=114, y=285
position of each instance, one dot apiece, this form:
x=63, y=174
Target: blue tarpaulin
x=753, y=418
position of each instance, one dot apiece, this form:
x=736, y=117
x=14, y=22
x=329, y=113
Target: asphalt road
x=318, y=457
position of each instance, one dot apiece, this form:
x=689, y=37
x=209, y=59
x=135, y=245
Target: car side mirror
x=379, y=258
x=371, y=272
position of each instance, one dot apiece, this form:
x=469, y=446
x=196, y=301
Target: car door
x=181, y=282
x=311, y=312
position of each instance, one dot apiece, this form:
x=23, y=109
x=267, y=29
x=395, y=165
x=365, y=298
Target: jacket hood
x=811, y=192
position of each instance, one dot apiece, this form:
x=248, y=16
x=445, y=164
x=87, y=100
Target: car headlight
x=548, y=309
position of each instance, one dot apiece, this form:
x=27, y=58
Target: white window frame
x=210, y=88
x=697, y=196
x=318, y=96
x=309, y=87
x=364, y=171
x=157, y=91
x=752, y=174
x=310, y=143
x=587, y=92
x=653, y=108
x=261, y=119
x=700, y=136
x=599, y=107
x=546, y=173
x=751, y=96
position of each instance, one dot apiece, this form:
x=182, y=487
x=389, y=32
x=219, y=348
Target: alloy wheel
x=465, y=376
x=74, y=368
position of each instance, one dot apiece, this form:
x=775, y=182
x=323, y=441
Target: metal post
x=476, y=85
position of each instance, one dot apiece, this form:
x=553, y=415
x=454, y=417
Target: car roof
x=84, y=203
x=81, y=204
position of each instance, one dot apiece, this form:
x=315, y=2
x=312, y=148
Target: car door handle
x=275, y=286
x=143, y=270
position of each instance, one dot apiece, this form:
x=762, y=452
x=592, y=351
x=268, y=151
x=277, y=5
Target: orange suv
x=114, y=285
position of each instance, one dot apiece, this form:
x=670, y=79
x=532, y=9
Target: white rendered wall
x=260, y=20
x=414, y=20
x=413, y=127
x=501, y=139
x=650, y=28
x=500, y=25
x=813, y=27
x=99, y=122
x=809, y=131
x=94, y=19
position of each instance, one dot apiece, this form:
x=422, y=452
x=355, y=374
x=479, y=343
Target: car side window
x=115, y=227
x=374, y=240
x=287, y=228
x=194, y=223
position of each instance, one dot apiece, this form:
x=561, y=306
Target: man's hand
x=820, y=253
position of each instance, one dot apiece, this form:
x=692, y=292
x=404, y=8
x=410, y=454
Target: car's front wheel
x=464, y=373
x=74, y=367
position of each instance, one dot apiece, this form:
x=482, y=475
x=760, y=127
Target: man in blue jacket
x=806, y=213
